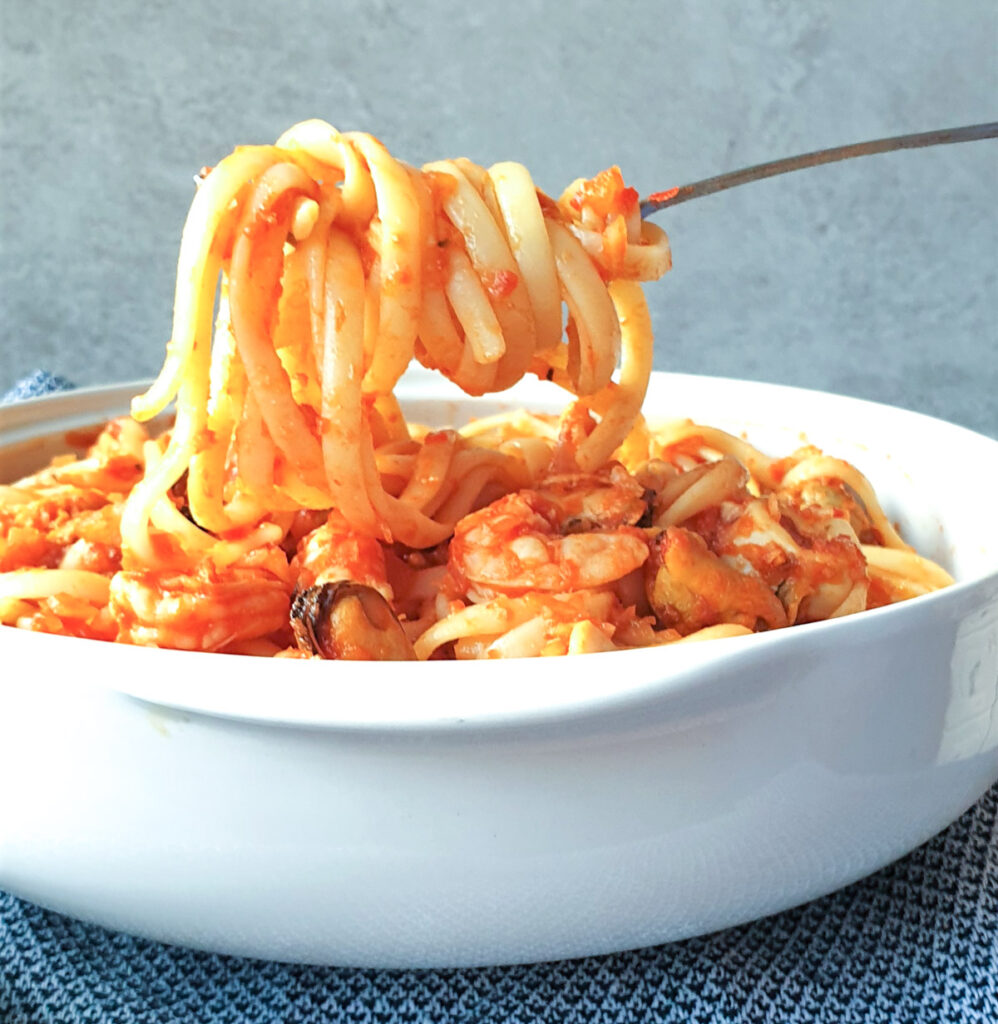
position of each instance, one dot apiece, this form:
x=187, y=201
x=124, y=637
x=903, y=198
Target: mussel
x=348, y=621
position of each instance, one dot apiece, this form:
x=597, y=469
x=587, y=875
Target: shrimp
x=113, y=464
x=203, y=610
x=343, y=604
x=336, y=552
x=37, y=525
x=834, y=495
x=67, y=515
x=575, y=532
x=91, y=540
x=588, y=501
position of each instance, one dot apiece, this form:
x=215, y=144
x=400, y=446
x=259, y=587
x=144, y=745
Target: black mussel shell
x=348, y=621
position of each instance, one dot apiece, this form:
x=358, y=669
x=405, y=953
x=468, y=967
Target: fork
x=944, y=136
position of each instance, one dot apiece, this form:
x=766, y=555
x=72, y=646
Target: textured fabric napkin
x=916, y=942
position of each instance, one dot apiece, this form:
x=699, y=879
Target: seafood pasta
x=290, y=509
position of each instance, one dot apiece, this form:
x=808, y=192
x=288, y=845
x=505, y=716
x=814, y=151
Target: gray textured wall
x=875, y=279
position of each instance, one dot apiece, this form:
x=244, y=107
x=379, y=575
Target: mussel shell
x=348, y=621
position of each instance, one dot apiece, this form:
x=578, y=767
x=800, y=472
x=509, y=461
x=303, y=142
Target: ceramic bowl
x=446, y=814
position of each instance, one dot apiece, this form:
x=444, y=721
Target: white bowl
x=445, y=813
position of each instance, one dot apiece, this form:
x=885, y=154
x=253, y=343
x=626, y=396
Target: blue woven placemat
x=916, y=942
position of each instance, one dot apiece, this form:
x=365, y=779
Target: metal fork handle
x=944, y=136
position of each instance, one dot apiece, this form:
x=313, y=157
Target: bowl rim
x=435, y=695
x=23, y=413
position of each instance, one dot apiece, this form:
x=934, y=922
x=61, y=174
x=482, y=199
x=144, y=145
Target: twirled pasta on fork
x=291, y=509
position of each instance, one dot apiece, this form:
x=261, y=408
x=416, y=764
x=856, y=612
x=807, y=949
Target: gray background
x=876, y=278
